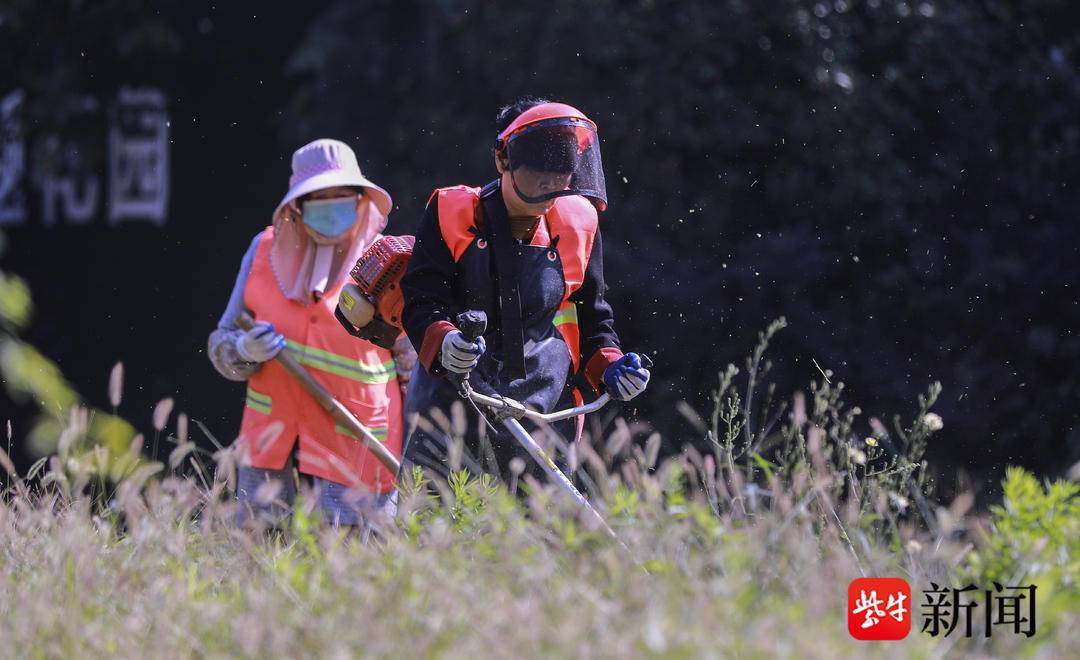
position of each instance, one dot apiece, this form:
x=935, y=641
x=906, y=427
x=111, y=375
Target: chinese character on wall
x=139, y=157
x=81, y=166
x=12, y=160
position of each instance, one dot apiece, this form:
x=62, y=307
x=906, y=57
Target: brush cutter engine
x=370, y=305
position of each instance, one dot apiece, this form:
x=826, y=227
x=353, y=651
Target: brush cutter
x=508, y=411
x=336, y=409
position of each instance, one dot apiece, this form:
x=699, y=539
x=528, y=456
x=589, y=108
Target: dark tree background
x=898, y=179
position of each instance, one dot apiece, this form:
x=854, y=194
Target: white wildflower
x=933, y=421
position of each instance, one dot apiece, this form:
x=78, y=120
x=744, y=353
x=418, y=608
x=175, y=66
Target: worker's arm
x=404, y=360
x=596, y=323
x=428, y=289
x=221, y=347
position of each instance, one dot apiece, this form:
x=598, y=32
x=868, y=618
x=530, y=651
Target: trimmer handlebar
x=507, y=407
x=515, y=409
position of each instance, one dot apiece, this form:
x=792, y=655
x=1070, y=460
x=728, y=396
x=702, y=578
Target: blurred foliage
x=1034, y=539
x=896, y=178
x=31, y=377
x=15, y=304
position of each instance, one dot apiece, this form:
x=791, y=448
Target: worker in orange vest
x=526, y=250
x=289, y=281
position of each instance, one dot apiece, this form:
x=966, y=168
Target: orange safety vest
x=358, y=373
x=573, y=219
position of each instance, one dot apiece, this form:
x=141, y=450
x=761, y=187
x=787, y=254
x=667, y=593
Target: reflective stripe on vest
x=567, y=314
x=378, y=432
x=567, y=324
x=258, y=402
x=341, y=365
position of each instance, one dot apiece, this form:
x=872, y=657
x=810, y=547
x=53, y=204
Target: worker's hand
x=626, y=378
x=459, y=355
x=260, y=343
x=404, y=360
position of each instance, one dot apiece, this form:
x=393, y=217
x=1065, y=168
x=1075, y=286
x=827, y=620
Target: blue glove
x=626, y=378
x=260, y=344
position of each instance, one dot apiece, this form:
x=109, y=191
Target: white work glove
x=459, y=355
x=260, y=343
x=626, y=378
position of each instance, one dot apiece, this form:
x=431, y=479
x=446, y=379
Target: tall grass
x=743, y=551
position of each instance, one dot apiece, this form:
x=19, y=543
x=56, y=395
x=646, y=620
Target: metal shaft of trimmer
x=472, y=324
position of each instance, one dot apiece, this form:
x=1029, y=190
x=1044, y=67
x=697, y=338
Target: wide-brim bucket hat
x=329, y=163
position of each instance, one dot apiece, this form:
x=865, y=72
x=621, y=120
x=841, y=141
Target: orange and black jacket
x=453, y=269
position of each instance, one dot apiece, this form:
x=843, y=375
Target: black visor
x=555, y=158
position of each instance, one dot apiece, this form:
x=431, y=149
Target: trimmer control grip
x=472, y=324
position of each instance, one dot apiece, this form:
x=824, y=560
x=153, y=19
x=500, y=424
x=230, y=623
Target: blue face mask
x=330, y=217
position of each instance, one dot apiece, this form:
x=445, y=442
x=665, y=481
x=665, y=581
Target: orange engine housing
x=378, y=273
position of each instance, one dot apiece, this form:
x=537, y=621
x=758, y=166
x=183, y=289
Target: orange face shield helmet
x=553, y=151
